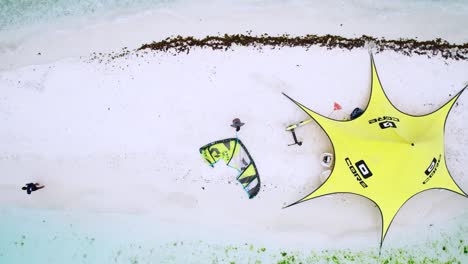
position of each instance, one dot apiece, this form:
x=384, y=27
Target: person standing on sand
x=236, y=123
x=31, y=187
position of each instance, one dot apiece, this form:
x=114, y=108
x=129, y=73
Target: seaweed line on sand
x=407, y=47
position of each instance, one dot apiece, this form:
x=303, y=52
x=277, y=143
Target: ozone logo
x=387, y=124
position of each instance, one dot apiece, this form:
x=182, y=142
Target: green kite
x=386, y=155
x=235, y=155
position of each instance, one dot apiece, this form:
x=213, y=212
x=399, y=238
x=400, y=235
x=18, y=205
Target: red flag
x=336, y=106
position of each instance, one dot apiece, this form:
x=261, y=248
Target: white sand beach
x=116, y=143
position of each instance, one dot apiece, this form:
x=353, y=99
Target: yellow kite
x=235, y=155
x=386, y=155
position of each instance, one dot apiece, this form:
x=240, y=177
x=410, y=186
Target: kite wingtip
x=461, y=91
x=287, y=96
x=463, y=193
x=284, y=207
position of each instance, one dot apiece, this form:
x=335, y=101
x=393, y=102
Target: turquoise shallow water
x=17, y=13
x=45, y=236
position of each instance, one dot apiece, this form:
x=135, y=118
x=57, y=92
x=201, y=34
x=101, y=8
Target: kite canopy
x=236, y=156
x=386, y=155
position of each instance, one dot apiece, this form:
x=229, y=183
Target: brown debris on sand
x=408, y=47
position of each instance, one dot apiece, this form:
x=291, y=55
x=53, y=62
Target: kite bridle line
x=239, y=170
x=240, y=149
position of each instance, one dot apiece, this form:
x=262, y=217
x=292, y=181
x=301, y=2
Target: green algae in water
x=201, y=252
x=69, y=245
x=244, y=254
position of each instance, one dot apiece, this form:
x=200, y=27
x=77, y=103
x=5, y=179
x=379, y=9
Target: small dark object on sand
x=237, y=124
x=31, y=187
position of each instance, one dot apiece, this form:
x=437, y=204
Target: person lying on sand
x=31, y=187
